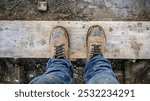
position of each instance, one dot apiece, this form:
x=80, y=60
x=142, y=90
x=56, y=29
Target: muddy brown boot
x=59, y=43
x=95, y=41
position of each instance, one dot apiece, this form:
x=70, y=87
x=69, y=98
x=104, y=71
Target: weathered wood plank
x=30, y=39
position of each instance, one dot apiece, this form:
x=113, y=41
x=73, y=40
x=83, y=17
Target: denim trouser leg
x=59, y=71
x=99, y=71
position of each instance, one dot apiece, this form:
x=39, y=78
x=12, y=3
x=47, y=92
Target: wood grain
x=30, y=39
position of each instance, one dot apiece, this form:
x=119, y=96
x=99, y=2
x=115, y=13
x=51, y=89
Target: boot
x=59, y=43
x=95, y=41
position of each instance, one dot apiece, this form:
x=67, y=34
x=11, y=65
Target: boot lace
x=96, y=50
x=59, y=52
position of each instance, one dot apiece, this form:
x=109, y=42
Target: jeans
x=97, y=70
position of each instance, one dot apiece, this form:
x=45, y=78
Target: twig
x=14, y=6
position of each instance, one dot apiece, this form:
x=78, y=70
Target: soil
x=23, y=70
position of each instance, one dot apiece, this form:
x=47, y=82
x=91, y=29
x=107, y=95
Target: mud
x=76, y=10
x=138, y=72
x=23, y=70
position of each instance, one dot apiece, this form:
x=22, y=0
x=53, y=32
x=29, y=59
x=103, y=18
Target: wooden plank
x=30, y=39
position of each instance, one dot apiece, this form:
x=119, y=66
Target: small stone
x=132, y=60
x=42, y=6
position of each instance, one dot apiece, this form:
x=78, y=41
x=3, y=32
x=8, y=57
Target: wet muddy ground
x=23, y=70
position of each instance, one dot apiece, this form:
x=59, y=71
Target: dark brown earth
x=23, y=70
